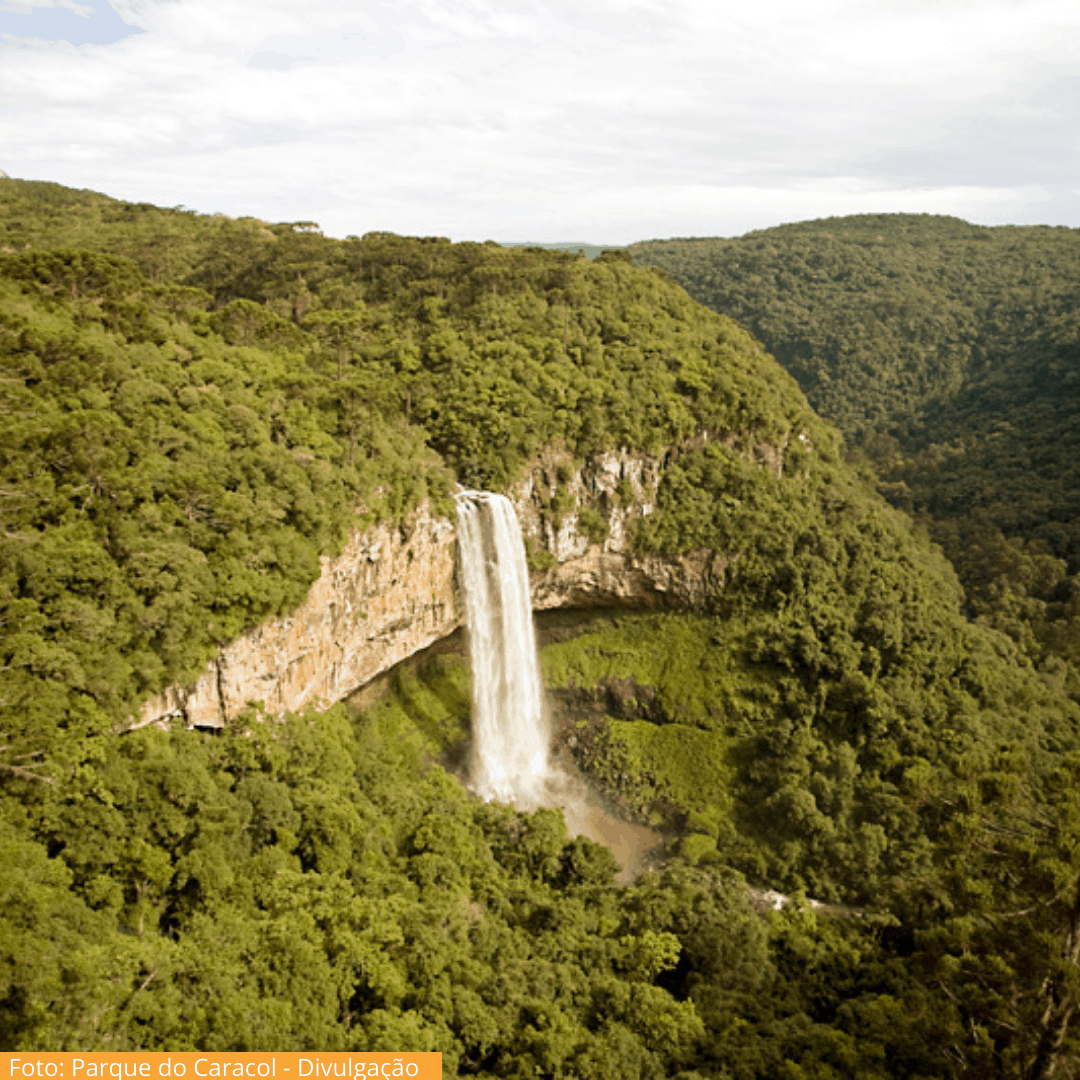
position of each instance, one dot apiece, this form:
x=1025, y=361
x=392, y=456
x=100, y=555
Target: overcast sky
x=604, y=121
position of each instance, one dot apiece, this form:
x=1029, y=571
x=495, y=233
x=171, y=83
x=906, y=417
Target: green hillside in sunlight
x=197, y=408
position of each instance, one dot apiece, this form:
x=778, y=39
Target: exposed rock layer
x=621, y=486
x=389, y=594
x=392, y=590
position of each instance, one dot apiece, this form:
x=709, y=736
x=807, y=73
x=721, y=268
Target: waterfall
x=510, y=737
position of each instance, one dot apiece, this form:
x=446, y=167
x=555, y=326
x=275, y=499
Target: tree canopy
x=949, y=356
x=197, y=408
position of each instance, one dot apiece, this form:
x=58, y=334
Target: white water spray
x=510, y=761
x=510, y=737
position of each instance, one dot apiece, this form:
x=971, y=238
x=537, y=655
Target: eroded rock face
x=392, y=591
x=620, y=487
x=389, y=594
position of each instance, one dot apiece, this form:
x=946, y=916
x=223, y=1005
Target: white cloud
x=552, y=119
x=25, y=7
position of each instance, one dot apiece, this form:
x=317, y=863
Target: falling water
x=510, y=760
x=510, y=738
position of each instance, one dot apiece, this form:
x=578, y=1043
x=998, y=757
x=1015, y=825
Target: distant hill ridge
x=590, y=251
x=880, y=317
x=950, y=354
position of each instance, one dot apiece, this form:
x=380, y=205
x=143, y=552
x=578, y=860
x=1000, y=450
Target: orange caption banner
x=190, y=1066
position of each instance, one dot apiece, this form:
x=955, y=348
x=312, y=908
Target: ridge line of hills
x=949, y=356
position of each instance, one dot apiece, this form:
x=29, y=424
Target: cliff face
x=391, y=592
x=554, y=502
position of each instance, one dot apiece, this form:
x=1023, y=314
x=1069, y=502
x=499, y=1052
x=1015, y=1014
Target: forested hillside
x=196, y=408
x=177, y=455
x=948, y=353
x=883, y=318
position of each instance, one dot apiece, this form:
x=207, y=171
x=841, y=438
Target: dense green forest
x=949, y=356
x=196, y=408
x=885, y=318
x=176, y=456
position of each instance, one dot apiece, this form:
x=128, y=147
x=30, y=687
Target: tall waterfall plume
x=510, y=737
x=510, y=758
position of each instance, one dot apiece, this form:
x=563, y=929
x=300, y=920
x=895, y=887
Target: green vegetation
x=949, y=355
x=176, y=454
x=589, y=251
x=593, y=524
x=168, y=482
x=318, y=883
x=882, y=317
x=197, y=408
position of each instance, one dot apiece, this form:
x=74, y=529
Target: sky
x=602, y=121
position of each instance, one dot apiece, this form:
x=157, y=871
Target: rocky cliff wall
x=391, y=592
x=575, y=567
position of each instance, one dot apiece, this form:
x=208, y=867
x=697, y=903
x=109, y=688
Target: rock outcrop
x=590, y=562
x=392, y=590
x=389, y=594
